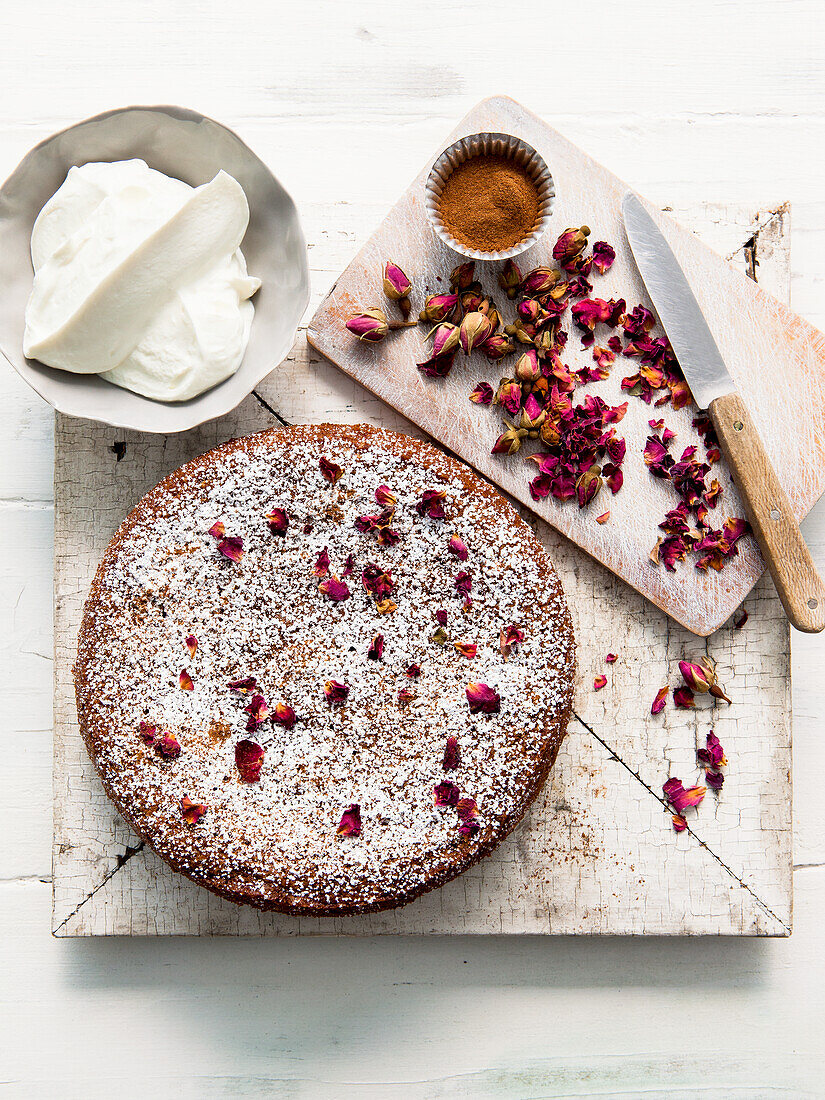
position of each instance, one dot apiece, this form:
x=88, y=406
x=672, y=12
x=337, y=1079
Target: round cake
x=324, y=669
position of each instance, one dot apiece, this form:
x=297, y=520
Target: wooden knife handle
x=796, y=578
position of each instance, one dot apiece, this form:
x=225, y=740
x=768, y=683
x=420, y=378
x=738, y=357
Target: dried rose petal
x=603, y=256
x=431, y=503
x=243, y=686
x=446, y=793
x=148, y=733
x=509, y=637
x=712, y=756
x=463, y=583
x=258, y=711
x=437, y=366
x=192, y=644
x=185, y=681
x=604, y=517
x=231, y=547
x=405, y=697
x=278, y=521
x=466, y=649
x=168, y=746
x=350, y=824
x=599, y=683
x=469, y=827
x=610, y=658
x=466, y=808
x=413, y=671
x=458, y=547
x=714, y=780
x=376, y=649
x=441, y=616
x=482, y=394
x=385, y=497
x=283, y=715
x=249, y=758
x=680, y=798
x=217, y=530
x=740, y=619
x=321, y=567
x=377, y=581
x=452, y=755
x=679, y=823
x=330, y=470
x=334, y=589
x=191, y=812
x=335, y=691
x=386, y=606
x=349, y=566
x=683, y=697
x=482, y=699
x=658, y=704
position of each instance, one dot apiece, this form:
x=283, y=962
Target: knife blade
x=772, y=520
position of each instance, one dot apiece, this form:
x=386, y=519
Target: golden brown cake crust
x=273, y=843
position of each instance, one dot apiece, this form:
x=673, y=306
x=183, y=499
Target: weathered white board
x=775, y=357
x=597, y=854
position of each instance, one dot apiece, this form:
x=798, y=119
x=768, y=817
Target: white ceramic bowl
x=490, y=144
x=192, y=148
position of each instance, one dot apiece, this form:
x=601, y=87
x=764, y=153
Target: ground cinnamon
x=489, y=203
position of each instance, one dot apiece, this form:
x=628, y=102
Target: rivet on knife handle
x=797, y=581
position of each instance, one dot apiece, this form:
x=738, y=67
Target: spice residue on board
x=489, y=203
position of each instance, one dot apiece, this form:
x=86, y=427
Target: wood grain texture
x=597, y=854
x=759, y=337
x=789, y=560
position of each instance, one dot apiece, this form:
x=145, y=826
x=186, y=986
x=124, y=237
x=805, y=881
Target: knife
x=798, y=584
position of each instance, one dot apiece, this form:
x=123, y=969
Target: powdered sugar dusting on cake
x=275, y=841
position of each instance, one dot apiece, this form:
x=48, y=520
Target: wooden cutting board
x=775, y=357
x=596, y=853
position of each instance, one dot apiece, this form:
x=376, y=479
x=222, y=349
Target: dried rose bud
x=475, y=329
x=527, y=367
x=438, y=307
x=493, y=316
x=533, y=415
x=539, y=281
x=588, y=485
x=445, y=338
x=497, y=346
x=508, y=395
x=462, y=276
x=509, y=278
x=371, y=325
x=438, y=366
x=397, y=287
x=701, y=677
x=570, y=245
x=472, y=301
x=510, y=441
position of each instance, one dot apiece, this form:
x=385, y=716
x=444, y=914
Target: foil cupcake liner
x=492, y=145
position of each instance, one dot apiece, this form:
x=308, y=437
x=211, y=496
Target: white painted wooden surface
x=597, y=852
x=724, y=101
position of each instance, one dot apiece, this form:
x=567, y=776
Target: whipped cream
x=139, y=278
